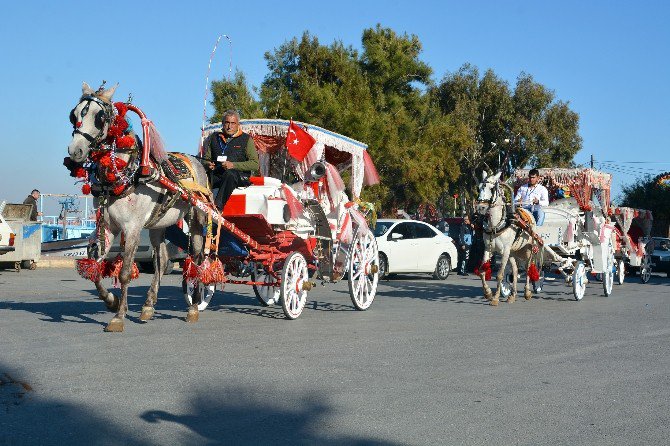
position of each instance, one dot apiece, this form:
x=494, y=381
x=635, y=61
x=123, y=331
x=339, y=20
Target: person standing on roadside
x=465, y=237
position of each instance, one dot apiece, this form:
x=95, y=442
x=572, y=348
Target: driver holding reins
x=532, y=196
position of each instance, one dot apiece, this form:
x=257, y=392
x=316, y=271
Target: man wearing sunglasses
x=533, y=195
x=230, y=157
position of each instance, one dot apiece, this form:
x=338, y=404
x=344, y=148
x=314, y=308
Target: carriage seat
x=262, y=197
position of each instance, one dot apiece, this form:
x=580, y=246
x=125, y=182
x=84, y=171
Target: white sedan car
x=410, y=246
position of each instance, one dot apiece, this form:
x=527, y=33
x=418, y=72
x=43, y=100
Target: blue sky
x=609, y=59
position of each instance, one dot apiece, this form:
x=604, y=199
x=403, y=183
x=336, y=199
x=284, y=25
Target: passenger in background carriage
x=230, y=157
x=533, y=195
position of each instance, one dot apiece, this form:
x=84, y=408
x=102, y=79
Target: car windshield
x=382, y=228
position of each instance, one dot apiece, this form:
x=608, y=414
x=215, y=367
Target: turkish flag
x=298, y=141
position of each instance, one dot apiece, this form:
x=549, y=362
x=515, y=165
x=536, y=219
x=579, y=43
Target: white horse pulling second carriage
x=576, y=237
x=633, y=242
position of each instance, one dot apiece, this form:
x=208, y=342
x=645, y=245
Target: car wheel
x=146, y=267
x=443, y=268
x=383, y=265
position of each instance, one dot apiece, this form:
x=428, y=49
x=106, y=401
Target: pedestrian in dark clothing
x=230, y=157
x=32, y=199
x=465, y=239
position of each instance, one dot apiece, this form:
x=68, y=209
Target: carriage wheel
x=608, y=273
x=579, y=281
x=293, y=276
x=645, y=269
x=363, y=270
x=266, y=295
x=206, y=293
x=620, y=272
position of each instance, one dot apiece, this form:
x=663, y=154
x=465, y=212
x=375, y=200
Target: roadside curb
x=56, y=262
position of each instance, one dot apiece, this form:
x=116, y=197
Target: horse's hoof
x=112, y=306
x=147, y=313
x=511, y=299
x=192, y=316
x=115, y=326
x=527, y=296
x=488, y=295
x=494, y=303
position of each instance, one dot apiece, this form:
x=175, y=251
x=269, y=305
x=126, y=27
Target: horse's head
x=90, y=120
x=488, y=187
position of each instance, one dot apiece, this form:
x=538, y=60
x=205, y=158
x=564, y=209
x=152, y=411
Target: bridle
x=102, y=118
x=487, y=224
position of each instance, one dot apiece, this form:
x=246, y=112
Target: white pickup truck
x=6, y=234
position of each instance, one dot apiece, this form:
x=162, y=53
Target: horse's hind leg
x=488, y=294
x=132, y=240
x=197, y=247
x=157, y=237
x=515, y=273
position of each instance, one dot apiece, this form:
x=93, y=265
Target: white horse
x=502, y=234
x=138, y=206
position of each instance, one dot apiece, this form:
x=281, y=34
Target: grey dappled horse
x=131, y=211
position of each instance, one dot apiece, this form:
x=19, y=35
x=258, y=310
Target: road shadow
x=220, y=416
x=237, y=415
x=462, y=290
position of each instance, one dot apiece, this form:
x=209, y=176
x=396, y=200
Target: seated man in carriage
x=230, y=157
x=533, y=195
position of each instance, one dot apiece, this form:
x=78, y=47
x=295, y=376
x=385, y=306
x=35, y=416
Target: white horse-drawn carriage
x=575, y=239
x=633, y=242
x=288, y=236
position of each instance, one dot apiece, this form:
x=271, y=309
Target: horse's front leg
x=515, y=273
x=157, y=237
x=488, y=294
x=131, y=242
x=111, y=301
x=527, y=293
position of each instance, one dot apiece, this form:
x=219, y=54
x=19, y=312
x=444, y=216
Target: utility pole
x=592, y=160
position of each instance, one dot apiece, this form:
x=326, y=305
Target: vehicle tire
x=292, y=294
x=266, y=295
x=364, y=259
x=620, y=272
x=206, y=293
x=28, y=264
x=383, y=266
x=146, y=267
x=579, y=281
x=442, y=268
x=645, y=269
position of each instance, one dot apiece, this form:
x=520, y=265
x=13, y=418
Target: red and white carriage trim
x=293, y=235
x=633, y=242
x=577, y=225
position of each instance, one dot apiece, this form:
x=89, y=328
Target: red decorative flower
x=86, y=189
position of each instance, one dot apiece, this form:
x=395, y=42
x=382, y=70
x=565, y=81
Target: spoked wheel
x=363, y=270
x=539, y=285
x=579, y=281
x=206, y=293
x=292, y=293
x=266, y=295
x=645, y=269
x=620, y=272
x=506, y=284
x=608, y=273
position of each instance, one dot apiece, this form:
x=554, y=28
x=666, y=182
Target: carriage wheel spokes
x=363, y=270
x=206, y=293
x=579, y=281
x=620, y=272
x=608, y=272
x=645, y=269
x=266, y=295
x=292, y=292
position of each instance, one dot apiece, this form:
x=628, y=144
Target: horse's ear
x=484, y=175
x=86, y=90
x=496, y=177
x=107, y=94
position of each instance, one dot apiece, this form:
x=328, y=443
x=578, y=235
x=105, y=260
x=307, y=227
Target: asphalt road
x=429, y=363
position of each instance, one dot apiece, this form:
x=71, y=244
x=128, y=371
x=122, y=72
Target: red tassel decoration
x=86, y=189
x=89, y=269
x=486, y=267
x=213, y=273
x=190, y=269
x=533, y=273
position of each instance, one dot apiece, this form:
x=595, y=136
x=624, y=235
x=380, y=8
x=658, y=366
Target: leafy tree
x=234, y=95
x=649, y=194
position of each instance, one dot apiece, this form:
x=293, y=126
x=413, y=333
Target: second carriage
x=577, y=236
x=295, y=225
